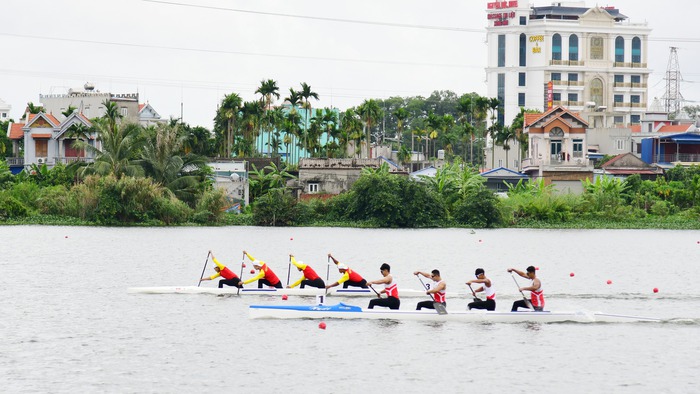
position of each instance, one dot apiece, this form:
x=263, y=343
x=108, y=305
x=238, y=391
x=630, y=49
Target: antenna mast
x=673, y=99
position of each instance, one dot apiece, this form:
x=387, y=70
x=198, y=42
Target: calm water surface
x=67, y=324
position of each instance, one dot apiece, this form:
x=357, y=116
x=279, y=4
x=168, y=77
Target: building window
x=500, y=162
x=619, y=98
x=521, y=79
x=597, y=91
x=635, y=99
x=502, y=50
x=41, y=148
x=501, y=97
x=556, y=47
x=523, y=20
x=4, y=114
x=313, y=187
x=521, y=99
x=556, y=76
x=619, y=50
x=573, y=77
x=523, y=50
x=618, y=120
x=124, y=111
x=573, y=47
x=573, y=98
x=619, y=79
x=636, y=79
x=597, y=48
x=620, y=144
x=635, y=119
x=556, y=96
x=578, y=148
x=636, y=50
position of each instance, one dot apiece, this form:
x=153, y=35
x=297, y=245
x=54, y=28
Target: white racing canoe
x=343, y=311
x=307, y=291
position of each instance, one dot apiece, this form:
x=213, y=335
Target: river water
x=67, y=324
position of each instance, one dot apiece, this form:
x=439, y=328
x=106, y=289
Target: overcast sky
x=346, y=51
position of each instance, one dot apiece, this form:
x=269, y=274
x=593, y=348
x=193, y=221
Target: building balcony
x=575, y=163
x=68, y=160
x=15, y=161
x=622, y=105
x=629, y=65
x=572, y=63
x=622, y=85
x=678, y=157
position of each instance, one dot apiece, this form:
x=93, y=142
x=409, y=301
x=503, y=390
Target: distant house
x=427, y=171
x=622, y=166
x=4, y=110
x=49, y=141
x=671, y=150
x=498, y=179
x=334, y=176
x=557, y=149
x=148, y=116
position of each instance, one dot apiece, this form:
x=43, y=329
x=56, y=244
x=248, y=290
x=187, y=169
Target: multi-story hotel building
x=592, y=61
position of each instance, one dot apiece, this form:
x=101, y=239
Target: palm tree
x=119, y=146
x=370, y=113
x=292, y=126
x=329, y=120
x=493, y=105
x=268, y=89
x=68, y=111
x=161, y=160
x=306, y=94
x=503, y=137
x=351, y=125
x=401, y=115
x=250, y=121
x=226, y=116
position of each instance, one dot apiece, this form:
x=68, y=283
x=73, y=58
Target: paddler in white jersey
x=487, y=287
x=390, y=289
x=535, y=289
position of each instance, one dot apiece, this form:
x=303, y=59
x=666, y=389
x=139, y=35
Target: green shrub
x=53, y=200
x=275, y=208
x=478, y=209
x=11, y=208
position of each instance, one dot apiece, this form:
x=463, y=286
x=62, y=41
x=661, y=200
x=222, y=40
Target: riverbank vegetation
x=158, y=175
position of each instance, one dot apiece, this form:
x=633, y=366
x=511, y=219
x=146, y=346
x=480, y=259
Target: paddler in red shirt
x=265, y=275
x=230, y=278
x=349, y=278
x=309, y=277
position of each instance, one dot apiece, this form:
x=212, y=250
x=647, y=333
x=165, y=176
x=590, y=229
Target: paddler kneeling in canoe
x=390, y=288
x=265, y=275
x=230, y=278
x=309, y=277
x=349, y=278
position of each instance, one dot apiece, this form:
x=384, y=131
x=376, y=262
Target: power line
x=218, y=51
x=374, y=23
x=319, y=18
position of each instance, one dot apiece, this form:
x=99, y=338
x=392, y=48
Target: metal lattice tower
x=673, y=99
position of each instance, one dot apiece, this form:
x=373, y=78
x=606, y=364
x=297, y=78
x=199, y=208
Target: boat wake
x=628, y=296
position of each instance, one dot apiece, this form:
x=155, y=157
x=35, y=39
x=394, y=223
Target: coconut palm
x=268, y=89
x=161, y=160
x=370, y=113
x=351, y=125
x=251, y=112
x=306, y=94
x=226, y=118
x=68, y=111
x=401, y=115
x=120, y=144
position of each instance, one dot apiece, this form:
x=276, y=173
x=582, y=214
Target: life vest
x=227, y=273
x=537, y=297
x=440, y=295
x=391, y=289
x=269, y=275
x=309, y=273
x=489, y=292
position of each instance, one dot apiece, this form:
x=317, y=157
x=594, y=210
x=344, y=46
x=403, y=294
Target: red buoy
x=284, y=297
x=537, y=268
x=571, y=274
x=243, y=265
x=609, y=282
x=252, y=271
x=322, y=325
x=291, y=239
x=656, y=289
